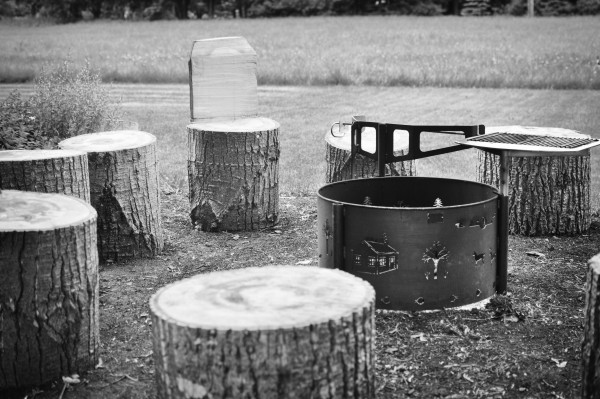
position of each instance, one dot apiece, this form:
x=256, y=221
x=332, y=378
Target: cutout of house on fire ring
x=379, y=257
x=375, y=257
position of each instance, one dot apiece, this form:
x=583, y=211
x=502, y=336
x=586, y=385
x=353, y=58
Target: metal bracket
x=338, y=236
x=384, y=141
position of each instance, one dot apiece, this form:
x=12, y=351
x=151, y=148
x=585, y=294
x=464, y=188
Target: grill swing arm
x=384, y=141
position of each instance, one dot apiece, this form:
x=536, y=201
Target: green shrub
x=10, y=8
x=19, y=128
x=517, y=7
x=588, y=7
x=70, y=101
x=67, y=102
x=285, y=8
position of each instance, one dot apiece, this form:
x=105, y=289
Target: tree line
x=65, y=11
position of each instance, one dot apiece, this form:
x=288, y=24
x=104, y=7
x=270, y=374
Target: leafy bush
x=284, y=8
x=517, y=7
x=279, y=8
x=10, y=8
x=19, y=128
x=70, y=101
x=548, y=8
x=412, y=7
x=67, y=102
x=588, y=7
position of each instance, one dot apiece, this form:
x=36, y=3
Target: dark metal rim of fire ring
x=408, y=178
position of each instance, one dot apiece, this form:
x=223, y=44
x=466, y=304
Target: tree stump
x=341, y=165
x=233, y=159
x=268, y=332
x=48, y=171
x=548, y=195
x=590, y=347
x=233, y=173
x=124, y=190
x=48, y=289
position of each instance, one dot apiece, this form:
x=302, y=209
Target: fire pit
x=424, y=243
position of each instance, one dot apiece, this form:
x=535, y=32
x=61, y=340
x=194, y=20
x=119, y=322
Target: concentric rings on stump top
x=241, y=125
x=32, y=211
x=30, y=155
x=269, y=297
x=109, y=141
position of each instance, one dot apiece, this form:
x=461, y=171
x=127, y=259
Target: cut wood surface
x=341, y=165
x=590, y=347
x=233, y=174
x=49, y=288
x=49, y=171
x=124, y=190
x=109, y=141
x=270, y=332
x=223, y=79
x=29, y=211
x=548, y=195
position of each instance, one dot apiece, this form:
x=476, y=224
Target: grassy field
x=451, y=354
x=305, y=114
x=504, y=52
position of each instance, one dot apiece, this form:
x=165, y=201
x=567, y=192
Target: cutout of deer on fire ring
x=435, y=253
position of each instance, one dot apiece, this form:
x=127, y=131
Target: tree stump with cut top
x=590, y=346
x=548, y=195
x=342, y=165
x=268, y=332
x=233, y=173
x=233, y=158
x=124, y=189
x=48, y=288
x=48, y=171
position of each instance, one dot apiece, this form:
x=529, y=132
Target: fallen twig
x=62, y=392
x=123, y=376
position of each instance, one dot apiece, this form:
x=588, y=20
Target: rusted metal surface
x=417, y=254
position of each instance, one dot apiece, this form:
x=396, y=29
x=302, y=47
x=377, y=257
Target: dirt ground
x=524, y=345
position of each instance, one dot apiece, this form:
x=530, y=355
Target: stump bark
x=268, y=332
x=233, y=173
x=590, y=348
x=124, y=189
x=548, y=195
x=48, y=171
x=49, y=288
x=342, y=165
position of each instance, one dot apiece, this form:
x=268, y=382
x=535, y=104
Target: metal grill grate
x=533, y=140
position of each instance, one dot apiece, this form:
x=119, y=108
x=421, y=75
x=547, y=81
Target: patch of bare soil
x=525, y=344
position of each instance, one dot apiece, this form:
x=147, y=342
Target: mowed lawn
x=315, y=71
x=306, y=113
x=374, y=50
